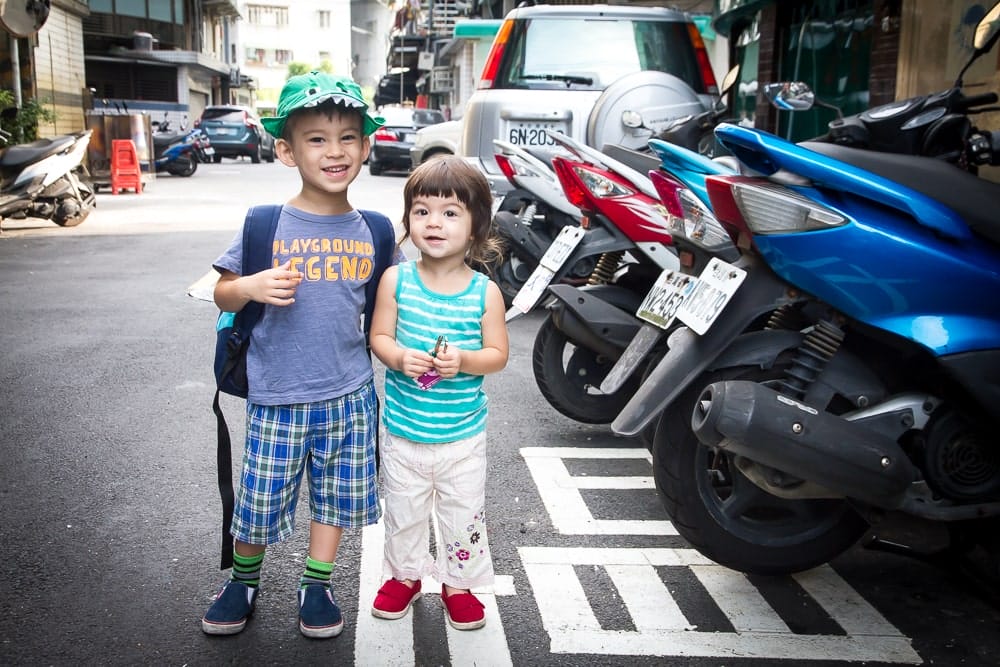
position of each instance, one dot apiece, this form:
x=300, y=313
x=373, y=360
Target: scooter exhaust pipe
x=845, y=457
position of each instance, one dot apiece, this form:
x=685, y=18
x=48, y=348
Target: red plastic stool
x=125, y=170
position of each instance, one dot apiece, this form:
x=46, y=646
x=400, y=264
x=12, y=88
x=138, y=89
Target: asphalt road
x=109, y=515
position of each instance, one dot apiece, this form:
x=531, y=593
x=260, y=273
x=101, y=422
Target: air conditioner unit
x=442, y=80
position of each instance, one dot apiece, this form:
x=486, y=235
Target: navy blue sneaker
x=319, y=615
x=231, y=609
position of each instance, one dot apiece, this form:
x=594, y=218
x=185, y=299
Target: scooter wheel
x=185, y=166
x=727, y=517
x=568, y=376
x=65, y=218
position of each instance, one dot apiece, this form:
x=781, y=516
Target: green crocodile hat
x=314, y=88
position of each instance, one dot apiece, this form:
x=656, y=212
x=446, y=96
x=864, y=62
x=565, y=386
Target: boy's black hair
x=329, y=108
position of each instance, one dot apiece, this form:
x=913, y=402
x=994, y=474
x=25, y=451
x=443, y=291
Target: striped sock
x=246, y=569
x=317, y=572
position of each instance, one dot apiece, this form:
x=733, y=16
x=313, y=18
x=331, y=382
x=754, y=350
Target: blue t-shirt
x=314, y=349
x=453, y=408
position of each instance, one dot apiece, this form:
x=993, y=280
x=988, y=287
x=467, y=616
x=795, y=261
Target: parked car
x=550, y=66
x=236, y=131
x=438, y=139
x=391, y=143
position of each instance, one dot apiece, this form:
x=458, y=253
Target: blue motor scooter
x=178, y=153
x=853, y=375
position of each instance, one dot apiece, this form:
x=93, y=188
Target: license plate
x=696, y=301
x=562, y=247
x=532, y=133
x=497, y=203
x=222, y=130
x=209, y=151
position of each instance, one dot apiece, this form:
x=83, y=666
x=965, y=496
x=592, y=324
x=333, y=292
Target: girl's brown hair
x=450, y=175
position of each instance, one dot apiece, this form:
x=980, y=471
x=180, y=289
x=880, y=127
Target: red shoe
x=394, y=599
x=464, y=611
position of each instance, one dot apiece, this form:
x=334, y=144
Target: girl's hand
x=275, y=287
x=448, y=362
x=415, y=363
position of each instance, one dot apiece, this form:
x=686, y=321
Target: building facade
x=273, y=34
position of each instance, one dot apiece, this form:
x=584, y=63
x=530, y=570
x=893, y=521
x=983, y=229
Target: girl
x=439, y=328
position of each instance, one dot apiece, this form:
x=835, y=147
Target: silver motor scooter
x=47, y=179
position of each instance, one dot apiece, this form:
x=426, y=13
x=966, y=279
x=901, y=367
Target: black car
x=392, y=142
x=236, y=131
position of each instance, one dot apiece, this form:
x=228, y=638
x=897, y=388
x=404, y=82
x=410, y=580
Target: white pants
x=449, y=480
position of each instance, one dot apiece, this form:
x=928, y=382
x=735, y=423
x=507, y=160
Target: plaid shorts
x=333, y=440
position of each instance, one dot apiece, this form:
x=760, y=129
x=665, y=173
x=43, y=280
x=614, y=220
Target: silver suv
x=599, y=73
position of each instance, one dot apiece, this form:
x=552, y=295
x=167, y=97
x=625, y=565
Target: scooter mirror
x=987, y=27
x=790, y=95
x=729, y=80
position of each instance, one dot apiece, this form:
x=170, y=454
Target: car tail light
x=383, y=134
x=492, y=65
x=247, y=121
x=704, y=64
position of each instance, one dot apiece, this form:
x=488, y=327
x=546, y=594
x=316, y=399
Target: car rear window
x=427, y=117
x=227, y=115
x=403, y=117
x=590, y=54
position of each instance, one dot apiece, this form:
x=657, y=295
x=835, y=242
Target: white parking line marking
x=844, y=604
x=573, y=628
x=390, y=643
x=739, y=600
x=648, y=601
x=561, y=496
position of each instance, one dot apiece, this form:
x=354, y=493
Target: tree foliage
x=23, y=123
x=296, y=68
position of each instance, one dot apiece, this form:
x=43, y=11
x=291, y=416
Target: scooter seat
x=641, y=162
x=166, y=138
x=542, y=153
x=19, y=155
x=973, y=198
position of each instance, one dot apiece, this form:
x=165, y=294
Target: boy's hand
x=276, y=287
x=448, y=361
x=415, y=363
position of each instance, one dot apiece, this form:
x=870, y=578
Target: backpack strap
x=384, y=239
x=258, y=236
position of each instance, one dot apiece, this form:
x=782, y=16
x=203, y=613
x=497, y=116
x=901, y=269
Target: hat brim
x=275, y=125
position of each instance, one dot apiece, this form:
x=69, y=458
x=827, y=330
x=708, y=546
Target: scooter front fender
x=689, y=354
x=521, y=239
x=597, y=317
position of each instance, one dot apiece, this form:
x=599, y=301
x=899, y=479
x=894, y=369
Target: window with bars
x=267, y=15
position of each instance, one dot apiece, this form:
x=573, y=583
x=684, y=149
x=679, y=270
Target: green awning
x=477, y=28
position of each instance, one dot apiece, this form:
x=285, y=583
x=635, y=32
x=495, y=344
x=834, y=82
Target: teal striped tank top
x=454, y=408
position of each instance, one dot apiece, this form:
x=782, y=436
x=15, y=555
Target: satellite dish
x=23, y=18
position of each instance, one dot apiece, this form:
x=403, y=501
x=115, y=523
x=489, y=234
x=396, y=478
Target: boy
x=311, y=404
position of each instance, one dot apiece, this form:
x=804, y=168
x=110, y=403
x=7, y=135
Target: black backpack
x=233, y=331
